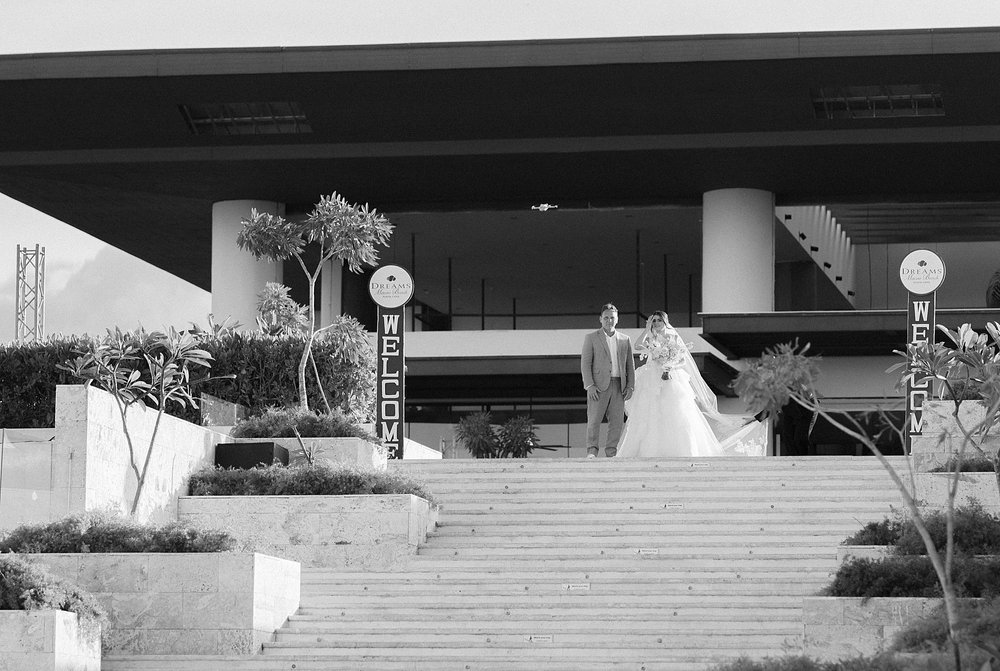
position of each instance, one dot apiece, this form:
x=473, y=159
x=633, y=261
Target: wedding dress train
x=679, y=417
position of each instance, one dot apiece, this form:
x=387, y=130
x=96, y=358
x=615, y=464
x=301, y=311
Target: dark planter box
x=249, y=455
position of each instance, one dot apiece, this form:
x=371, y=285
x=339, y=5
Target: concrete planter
x=371, y=531
x=929, y=450
x=332, y=451
x=932, y=490
x=836, y=628
x=213, y=603
x=48, y=640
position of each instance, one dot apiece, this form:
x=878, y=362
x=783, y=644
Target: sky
x=81, y=295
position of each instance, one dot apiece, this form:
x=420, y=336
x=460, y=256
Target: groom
x=609, y=377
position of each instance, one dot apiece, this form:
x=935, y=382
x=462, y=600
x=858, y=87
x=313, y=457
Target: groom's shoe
x=592, y=452
x=610, y=451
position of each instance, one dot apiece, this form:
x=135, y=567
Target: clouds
x=90, y=286
x=117, y=289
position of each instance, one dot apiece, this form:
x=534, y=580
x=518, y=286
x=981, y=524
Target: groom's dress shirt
x=612, y=342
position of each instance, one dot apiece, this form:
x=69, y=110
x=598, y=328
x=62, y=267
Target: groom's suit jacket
x=595, y=362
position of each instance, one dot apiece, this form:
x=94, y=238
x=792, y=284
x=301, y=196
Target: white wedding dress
x=679, y=417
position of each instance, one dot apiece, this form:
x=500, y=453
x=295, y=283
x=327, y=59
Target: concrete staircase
x=584, y=565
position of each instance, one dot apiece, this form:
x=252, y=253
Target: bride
x=672, y=412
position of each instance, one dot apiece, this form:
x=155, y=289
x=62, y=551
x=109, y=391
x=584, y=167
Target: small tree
x=342, y=231
x=785, y=374
x=147, y=370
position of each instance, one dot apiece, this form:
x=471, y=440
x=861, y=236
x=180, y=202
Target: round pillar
x=737, y=251
x=237, y=277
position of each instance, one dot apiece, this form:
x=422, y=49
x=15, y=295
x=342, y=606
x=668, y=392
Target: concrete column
x=237, y=277
x=737, y=251
x=331, y=295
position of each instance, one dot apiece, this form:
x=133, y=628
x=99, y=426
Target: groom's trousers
x=611, y=403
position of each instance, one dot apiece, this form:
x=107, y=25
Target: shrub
x=283, y=422
x=975, y=532
x=514, y=438
x=316, y=480
x=30, y=376
x=962, y=390
x=883, y=532
x=978, y=622
x=801, y=663
x=103, y=532
x=970, y=464
x=264, y=368
x=25, y=586
x=913, y=576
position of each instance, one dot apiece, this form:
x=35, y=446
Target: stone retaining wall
x=47, y=640
x=368, y=531
x=211, y=603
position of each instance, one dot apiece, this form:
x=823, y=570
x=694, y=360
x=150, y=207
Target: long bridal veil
x=739, y=435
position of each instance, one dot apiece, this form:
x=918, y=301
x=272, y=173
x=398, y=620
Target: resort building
x=759, y=188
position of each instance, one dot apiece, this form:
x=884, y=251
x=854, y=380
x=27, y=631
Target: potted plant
x=514, y=438
x=475, y=432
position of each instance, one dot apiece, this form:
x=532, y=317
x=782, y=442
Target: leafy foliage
x=978, y=624
x=781, y=373
x=316, y=480
x=802, y=663
x=914, y=576
x=26, y=586
x=265, y=375
x=883, y=532
x=475, y=432
x=974, y=464
x=278, y=314
x=250, y=369
x=340, y=230
x=141, y=369
x=975, y=530
x=30, y=374
x=516, y=438
x=103, y=532
x=285, y=422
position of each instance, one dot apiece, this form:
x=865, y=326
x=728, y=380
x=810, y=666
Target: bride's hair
x=662, y=315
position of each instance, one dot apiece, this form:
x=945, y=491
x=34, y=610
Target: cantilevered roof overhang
x=99, y=140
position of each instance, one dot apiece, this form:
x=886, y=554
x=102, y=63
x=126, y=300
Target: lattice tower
x=29, y=299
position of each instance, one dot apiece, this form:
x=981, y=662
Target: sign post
x=921, y=273
x=391, y=287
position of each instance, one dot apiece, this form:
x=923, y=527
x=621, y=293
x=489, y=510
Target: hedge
x=265, y=368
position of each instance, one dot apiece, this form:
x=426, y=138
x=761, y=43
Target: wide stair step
x=660, y=564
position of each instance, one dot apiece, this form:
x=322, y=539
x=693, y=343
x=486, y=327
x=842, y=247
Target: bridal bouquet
x=667, y=356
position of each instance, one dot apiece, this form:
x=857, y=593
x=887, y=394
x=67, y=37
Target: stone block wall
x=941, y=437
x=841, y=627
x=90, y=464
x=213, y=603
x=369, y=531
x=47, y=640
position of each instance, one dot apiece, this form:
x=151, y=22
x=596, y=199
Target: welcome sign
x=391, y=287
x=921, y=273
